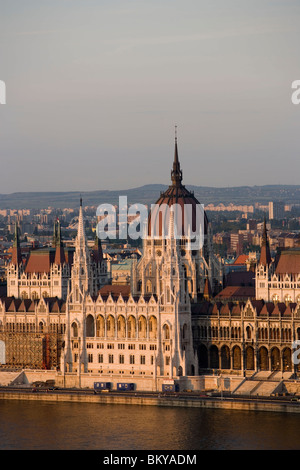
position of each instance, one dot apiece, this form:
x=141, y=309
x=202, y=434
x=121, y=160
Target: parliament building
x=63, y=314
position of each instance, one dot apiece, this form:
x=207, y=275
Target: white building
x=139, y=333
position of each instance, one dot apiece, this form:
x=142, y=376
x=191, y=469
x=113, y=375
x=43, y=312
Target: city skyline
x=94, y=92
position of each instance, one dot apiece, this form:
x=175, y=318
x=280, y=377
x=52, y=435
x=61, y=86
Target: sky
x=94, y=89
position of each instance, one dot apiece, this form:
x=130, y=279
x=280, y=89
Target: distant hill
x=148, y=194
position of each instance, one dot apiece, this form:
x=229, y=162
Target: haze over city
x=95, y=88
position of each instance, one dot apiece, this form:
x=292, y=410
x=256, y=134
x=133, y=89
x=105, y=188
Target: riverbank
x=226, y=403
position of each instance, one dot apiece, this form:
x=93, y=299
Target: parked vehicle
x=125, y=386
x=170, y=387
x=102, y=386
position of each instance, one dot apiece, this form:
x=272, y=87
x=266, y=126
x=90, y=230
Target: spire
x=97, y=253
x=54, y=234
x=207, y=290
x=81, y=231
x=265, y=255
x=81, y=265
x=176, y=173
x=16, y=250
x=59, y=251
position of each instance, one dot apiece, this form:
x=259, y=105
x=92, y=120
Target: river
x=26, y=425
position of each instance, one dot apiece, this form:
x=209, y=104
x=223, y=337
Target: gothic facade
x=104, y=329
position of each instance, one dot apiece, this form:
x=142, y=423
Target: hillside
x=148, y=194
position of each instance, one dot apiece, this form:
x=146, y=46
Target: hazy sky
x=95, y=88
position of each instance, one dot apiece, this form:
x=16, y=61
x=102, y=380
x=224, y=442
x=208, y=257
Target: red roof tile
x=241, y=259
x=288, y=263
x=236, y=292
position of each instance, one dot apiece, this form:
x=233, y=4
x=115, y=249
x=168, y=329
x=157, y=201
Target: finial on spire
x=176, y=173
x=80, y=201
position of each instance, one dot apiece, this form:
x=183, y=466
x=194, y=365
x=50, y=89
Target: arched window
x=121, y=327
x=248, y=332
x=166, y=332
x=142, y=327
x=153, y=327
x=131, y=327
x=110, y=326
x=74, y=329
x=100, y=331
x=90, y=326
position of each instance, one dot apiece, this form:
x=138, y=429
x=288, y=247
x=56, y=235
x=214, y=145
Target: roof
x=240, y=278
x=27, y=305
x=236, y=292
x=288, y=262
x=39, y=261
x=241, y=259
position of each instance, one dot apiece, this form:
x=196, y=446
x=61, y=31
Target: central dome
x=189, y=215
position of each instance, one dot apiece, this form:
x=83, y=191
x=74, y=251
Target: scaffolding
x=31, y=350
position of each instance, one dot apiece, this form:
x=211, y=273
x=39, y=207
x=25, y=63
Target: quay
x=274, y=404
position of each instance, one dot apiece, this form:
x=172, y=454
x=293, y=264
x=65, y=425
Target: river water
x=28, y=425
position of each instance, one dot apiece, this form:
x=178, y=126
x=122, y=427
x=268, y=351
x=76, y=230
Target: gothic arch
x=275, y=359
x=131, y=327
x=90, y=326
x=152, y=327
x=214, y=357
x=225, y=357
x=166, y=331
x=110, y=326
x=237, y=358
x=263, y=358
x=250, y=358
x=100, y=326
x=287, y=359
x=121, y=327
x=142, y=327
x=74, y=328
x=202, y=357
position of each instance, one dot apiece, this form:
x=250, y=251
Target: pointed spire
x=58, y=239
x=80, y=279
x=54, y=234
x=59, y=252
x=207, y=290
x=81, y=231
x=265, y=255
x=16, y=250
x=16, y=238
x=97, y=253
x=176, y=173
